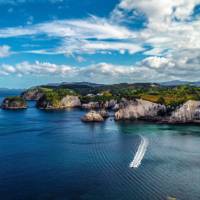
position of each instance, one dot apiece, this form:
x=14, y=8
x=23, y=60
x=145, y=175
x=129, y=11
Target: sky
x=100, y=41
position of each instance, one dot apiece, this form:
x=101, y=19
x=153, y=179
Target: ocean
x=52, y=155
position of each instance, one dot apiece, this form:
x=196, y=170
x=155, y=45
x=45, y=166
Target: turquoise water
x=54, y=156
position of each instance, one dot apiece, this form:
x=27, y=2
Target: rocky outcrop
x=189, y=112
x=122, y=104
x=68, y=101
x=92, y=116
x=110, y=104
x=116, y=107
x=14, y=103
x=140, y=109
x=100, y=105
x=104, y=113
x=91, y=105
x=32, y=94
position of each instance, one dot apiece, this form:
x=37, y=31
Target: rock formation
x=91, y=105
x=140, y=109
x=104, y=113
x=110, y=104
x=32, y=94
x=92, y=116
x=68, y=101
x=189, y=112
x=14, y=103
x=100, y=105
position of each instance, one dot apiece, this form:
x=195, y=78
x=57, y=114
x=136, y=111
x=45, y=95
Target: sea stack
x=14, y=103
x=92, y=116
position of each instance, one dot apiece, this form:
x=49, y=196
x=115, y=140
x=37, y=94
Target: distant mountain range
x=6, y=89
x=178, y=82
x=95, y=85
x=88, y=85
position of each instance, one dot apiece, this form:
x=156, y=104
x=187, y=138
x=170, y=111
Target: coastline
x=105, y=101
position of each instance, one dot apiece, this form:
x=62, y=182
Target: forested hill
x=158, y=93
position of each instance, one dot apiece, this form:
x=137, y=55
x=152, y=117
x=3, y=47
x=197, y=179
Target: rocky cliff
x=32, y=94
x=189, y=112
x=91, y=105
x=140, y=109
x=68, y=101
x=112, y=104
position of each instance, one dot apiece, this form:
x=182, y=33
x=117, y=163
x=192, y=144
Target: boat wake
x=140, y=153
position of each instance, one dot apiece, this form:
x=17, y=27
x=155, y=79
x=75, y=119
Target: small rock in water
x=92, y=116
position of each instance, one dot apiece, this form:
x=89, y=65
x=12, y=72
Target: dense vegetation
x=14, y=101
x=53, y=96
x=171, y=96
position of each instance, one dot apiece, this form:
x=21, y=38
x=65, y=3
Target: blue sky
x=47, y=41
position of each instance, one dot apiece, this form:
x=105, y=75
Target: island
x=14, y=103
x=138, y=101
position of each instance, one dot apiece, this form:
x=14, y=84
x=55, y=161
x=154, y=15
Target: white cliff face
x=139, y=109
x=96, y=105
x=188, y=112
x=70, y=102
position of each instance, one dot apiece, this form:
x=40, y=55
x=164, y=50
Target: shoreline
x=111, y=116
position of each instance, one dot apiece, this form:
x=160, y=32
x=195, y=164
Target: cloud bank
x=153, y=69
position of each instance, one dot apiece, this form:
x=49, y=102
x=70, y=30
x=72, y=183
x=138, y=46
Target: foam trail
x=140, y=153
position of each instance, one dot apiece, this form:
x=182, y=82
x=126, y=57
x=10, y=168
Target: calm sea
x=54, y=156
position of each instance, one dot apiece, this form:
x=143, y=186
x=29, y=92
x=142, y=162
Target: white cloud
x=151, y=69
x=167, y=26
x=4, y=51
x=154, y=52
x=80, y=59
x=92, y=27
x=94, y=34
x=158, y=11
x=77, y=46
x=89, y=35
x=171, y=32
